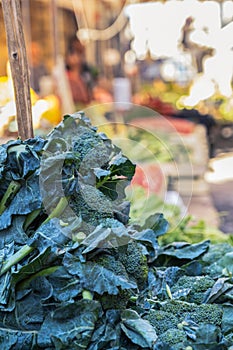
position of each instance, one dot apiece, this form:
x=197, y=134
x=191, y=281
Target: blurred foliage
x=182, y=228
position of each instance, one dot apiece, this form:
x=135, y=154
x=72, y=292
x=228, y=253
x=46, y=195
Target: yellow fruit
x=53, y=114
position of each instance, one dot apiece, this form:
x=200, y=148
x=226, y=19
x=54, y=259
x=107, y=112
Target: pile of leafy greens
x=181, y=228
x=76, y=275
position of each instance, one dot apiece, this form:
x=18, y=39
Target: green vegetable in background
x=142, y=205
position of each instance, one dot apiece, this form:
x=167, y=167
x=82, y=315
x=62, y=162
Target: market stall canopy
x=64, y=3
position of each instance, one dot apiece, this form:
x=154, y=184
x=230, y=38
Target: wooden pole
x=54, y=14
x=19, y=66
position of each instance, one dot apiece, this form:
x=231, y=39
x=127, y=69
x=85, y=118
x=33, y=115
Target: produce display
x=181, y=227
x=46, y=111
x=161, y=96
x=168, y=98
x=143, y=142
x=75, y=274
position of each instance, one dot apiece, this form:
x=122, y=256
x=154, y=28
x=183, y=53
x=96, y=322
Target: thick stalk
x=15, y=258
x=25, y=250
x=12, y=189
x=45, y=272
x=30, y=218
x=61, y=206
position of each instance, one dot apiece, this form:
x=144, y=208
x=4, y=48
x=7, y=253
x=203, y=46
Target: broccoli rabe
x=171, y=322
x=221, y=267
x=178, y=308
x=161, y=320
x=111, y=263
x=216, y=252
x=120, y=300
x=90, y=143
x=91, y=205
x=205, y=313
x=134, y=261
x=112, y=223
x=128, y=261
x=198, y=285
x=174, y=337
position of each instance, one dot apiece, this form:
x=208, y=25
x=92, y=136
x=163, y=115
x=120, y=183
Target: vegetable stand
x=74, y=274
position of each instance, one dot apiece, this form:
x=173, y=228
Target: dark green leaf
x=113, y=184
x=5, y=291
x=71, y=326
x=139, y=331
x=148, y=237
x=65, y=286
x=14, y=233
x=50, y=235
x=107, y=334
x=100, y=173
x=15, y=340
x=172, y=274
x=27, y=316
x=96, y=278
x=207, y=335
x=23, y=158
x=3, y=157
x=194, y=268
x=227, y=318
x=122, y=166
x=185, y=250
x=114, y=188
x=157, y=223
x=218, y=289
x=103, y=237
x=19, y=206
x=227, y=263
x=40, y=285
x=6, y=301
x=36, y=144
x=161, y=346
x=41, y=261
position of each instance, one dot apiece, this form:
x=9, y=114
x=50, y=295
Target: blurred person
x=102, y=91
x=80, y=74
x=78, y=85
x=89, y=72
x=37, y=68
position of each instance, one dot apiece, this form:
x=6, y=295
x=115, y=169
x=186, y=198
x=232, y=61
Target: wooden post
x=54, y=15
x=19, y=66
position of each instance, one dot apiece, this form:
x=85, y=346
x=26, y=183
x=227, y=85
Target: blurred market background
x=157, y=77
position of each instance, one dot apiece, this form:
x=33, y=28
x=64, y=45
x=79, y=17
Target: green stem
x=15, y=258
x=12, y=189
x=30, y=218
x=105, y=179
x=61, y=206
x=45, y=272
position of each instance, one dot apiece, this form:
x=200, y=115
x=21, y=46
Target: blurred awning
x=69, y=4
